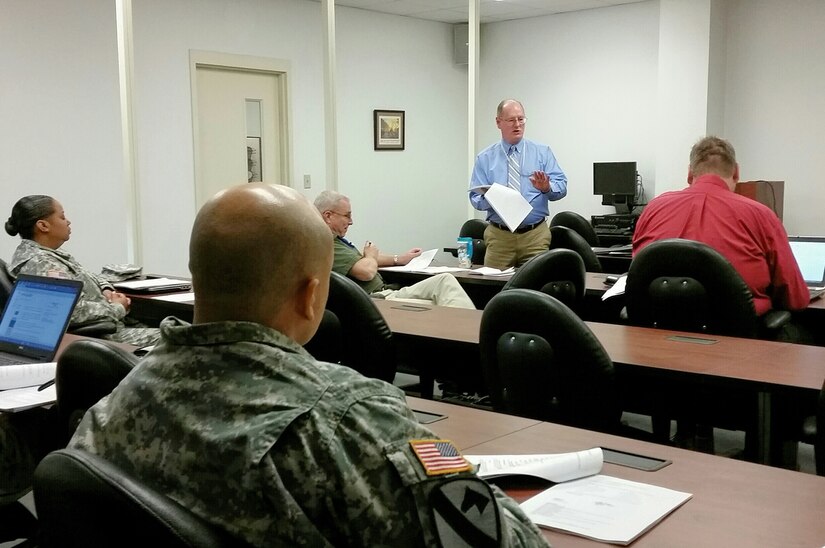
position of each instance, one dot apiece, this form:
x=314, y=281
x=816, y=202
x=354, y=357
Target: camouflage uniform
x=238, y=423
x=33, y=258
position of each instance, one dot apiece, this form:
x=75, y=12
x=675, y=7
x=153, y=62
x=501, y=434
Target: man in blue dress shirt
x=527, y=167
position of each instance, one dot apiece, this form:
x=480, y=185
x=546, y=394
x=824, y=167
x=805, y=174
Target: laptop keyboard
x=11, y=359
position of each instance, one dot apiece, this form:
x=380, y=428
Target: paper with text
x=490, y=271
x=416, y=264
x=616, y=289
x=26, y=374
x=509, y=204
x=151, y=283
x=20, y=399
x=176, y=297
x=552, y=467
x=603, y=508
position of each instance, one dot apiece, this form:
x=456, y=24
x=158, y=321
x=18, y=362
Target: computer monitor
x=616, y=183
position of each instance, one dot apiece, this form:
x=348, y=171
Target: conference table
x=771, y=372
x=734, y=503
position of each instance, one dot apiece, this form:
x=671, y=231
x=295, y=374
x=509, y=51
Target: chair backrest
x=6, y=282
x=563, y=237
x=541, y=361
x=689, y=286
x=578, y=224
x=364, y=338
x=87, y=370
x=474, y=228
x=558, y=272
x=84, y=500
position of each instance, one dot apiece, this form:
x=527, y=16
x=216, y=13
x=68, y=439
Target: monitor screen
x=614, y=178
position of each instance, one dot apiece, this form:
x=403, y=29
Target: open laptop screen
x=810, y=256
x=37, y=313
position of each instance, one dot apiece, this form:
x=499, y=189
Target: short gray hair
x=713, y=155
x=328, y=199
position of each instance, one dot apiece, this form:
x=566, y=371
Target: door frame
x=245, y=63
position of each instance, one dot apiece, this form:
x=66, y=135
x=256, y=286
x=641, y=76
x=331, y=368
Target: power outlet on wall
x=307, y=181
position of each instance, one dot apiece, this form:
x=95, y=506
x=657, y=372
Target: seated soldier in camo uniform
x=233, y=419
x=43, y=228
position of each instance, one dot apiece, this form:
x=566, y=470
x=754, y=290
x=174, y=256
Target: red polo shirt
x=746, y=232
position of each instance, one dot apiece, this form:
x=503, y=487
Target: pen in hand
x=45, y=385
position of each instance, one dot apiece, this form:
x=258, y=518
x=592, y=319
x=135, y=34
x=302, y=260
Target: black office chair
x=541, y=361
x=813, y=434
x=87, y=370
x=688, y=286
x=474, y=228
x=557, y=272
x=83, y=500
x=566, y=238
x=356, y=328
x=6, y=281
x=578, y=224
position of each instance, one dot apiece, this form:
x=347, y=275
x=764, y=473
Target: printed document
x=20, y=399
x=603, y=508
x=26, y=374
x=552, y=467
x=417, y=264
x=509, y=204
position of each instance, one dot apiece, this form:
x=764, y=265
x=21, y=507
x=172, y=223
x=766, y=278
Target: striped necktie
x=513, y=171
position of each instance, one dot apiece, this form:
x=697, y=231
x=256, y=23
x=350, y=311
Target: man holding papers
x=529, y=173
x=362, y=266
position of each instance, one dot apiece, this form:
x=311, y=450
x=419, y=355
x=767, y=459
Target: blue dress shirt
x=491, y=168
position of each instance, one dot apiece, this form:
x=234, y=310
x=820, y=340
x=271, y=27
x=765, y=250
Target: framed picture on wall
x=253, y=159
x=388, y=129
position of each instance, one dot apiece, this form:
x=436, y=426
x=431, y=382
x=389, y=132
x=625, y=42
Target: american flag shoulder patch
x=439, y=457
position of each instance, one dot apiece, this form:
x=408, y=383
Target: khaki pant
x=506, y=249
x=441, y=289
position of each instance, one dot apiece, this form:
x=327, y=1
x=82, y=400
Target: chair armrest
x=774, y=320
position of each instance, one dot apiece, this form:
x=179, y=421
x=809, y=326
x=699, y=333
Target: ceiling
x=456, y=11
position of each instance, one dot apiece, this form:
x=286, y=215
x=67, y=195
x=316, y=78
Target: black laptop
x=36, y=316
x=810, y=256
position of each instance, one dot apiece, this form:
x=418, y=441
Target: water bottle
x=465, y=252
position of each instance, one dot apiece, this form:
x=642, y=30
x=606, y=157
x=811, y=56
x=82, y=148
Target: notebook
x=36, y=316
x=810, y=256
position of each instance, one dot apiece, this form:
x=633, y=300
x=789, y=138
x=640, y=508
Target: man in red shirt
x=746, y=232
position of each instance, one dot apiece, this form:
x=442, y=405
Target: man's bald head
x=254, y=249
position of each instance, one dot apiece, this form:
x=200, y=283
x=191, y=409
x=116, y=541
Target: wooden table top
x=758, y=361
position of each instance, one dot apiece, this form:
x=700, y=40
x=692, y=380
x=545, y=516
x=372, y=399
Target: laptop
x=810, y=256
x=35, y=318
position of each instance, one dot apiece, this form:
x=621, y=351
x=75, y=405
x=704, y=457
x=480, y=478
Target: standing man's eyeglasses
x=520, y=121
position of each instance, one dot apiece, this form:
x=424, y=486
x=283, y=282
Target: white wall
x=418, y=196
x=60, y=120
x=164, y=32
x=587, y=81
x=775, y=104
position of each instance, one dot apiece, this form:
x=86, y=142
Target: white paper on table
x=26, y=374
x=509, y=204
x=176, y=297
x=552, y=467
x=149, y=283
x=20, y=399
x=440, y=269
x=603, y=508
x=617, y=288
x=416, y=264
x=490, y=271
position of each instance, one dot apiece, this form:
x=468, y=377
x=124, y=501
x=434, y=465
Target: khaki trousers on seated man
x=506, y=249
x=362, y=266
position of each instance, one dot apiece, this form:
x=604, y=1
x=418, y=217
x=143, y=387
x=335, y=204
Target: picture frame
x=388, y=129
x=253, y=160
